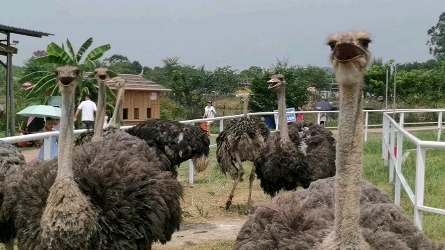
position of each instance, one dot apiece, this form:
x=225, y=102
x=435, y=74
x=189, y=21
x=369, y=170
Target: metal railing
x=393, y=135
x=47, y=136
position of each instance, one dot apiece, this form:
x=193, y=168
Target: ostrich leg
x=235, y=182
x=251, y=179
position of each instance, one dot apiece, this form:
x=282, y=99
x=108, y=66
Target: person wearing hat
x=209, y=112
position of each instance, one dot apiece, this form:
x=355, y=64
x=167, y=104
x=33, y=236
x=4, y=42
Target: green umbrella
x=41, y=111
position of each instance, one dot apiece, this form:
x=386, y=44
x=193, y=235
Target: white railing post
x=439, y=126
x=385, y=135
x=420, y=186
x=191, y=173
x=47, y=148
x=399, y=158
x=401, y=119
x=391, y=153
x=366, y=125
x=191, y=170
x=221, y=125
x=318, y=117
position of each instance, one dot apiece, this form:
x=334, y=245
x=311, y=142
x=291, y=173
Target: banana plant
x=45, y=81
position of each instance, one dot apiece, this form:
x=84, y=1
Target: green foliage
x=437, y=38
x=121, y=65
x=184, y=92
x=264, y=100
x=39, y=70
x=170, y=110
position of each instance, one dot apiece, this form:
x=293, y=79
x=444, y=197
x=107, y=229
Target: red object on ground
x=204, y=126
x=395, y=153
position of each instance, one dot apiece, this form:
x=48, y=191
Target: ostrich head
x=67, y=76
x=276, y=82
x=101, y=73
x=118, y=82
x=349, y=55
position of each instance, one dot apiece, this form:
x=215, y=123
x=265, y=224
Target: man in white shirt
x=209, y=112
x=88, y=108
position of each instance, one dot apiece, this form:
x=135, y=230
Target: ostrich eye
x=365, y=43
x=56, y=72
x=332, y=45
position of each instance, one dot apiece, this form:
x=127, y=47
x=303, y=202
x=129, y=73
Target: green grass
x=378, y=174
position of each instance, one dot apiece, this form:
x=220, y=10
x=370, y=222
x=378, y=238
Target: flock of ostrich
x=118, y=189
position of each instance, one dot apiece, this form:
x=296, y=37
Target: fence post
x=191, y=170
x=384, y=139
x=420, y=186
x=439, y=125
x=47, y=148
x=221, y=125
x=399, y=158
x=391, y=153
x=366, y=125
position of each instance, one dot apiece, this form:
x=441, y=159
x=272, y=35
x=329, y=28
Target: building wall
x=138, y=106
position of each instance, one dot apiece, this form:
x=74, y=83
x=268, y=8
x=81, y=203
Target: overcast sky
x=216, y=33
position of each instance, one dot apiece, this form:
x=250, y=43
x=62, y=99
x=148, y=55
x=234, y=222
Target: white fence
x=389, y=129
x=393, y=134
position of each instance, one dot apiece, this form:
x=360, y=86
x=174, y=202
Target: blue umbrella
x=41, y=111
x=323, y=106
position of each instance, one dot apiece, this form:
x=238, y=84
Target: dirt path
x=196, y=233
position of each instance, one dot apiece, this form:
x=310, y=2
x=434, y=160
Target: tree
x=184, y=92
x=223, y=80
x=437, y=40
x=45, y=80
x=121, y=65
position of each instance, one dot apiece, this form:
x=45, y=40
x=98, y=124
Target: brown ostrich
x=101, y=75
x=115, y=195
x=281, y=162
x=240, y=141
x=341, y=212
x=114, y=124
x=10, y=160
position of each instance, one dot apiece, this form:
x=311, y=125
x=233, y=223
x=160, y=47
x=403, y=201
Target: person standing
x=49, y=126
x=88, y=108
x=209, y=112
x=323, y=117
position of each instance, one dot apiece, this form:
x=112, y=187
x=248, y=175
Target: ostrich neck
x=245, y=107
x=115, y=120
x=66, y=145
x=100, y=113
x=349, y=164
x=282, y=119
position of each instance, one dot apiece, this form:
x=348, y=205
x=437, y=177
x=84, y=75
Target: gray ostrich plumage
x=241, y=140
x=11, y=160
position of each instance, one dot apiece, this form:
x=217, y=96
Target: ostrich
x=177, y=141
x=100, y=195
x=114, y=123
x=100, y=74
x=240, y=141
x=286, y=161
x=173, y=141
x=341, y=212
x=10, y=160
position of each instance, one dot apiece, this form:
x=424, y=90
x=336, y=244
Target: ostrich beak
x=67, y=80
x=102, y=77
x=274, y=83
x=347, y=51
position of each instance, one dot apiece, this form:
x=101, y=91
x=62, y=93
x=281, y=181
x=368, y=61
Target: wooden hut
x=142, y=99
